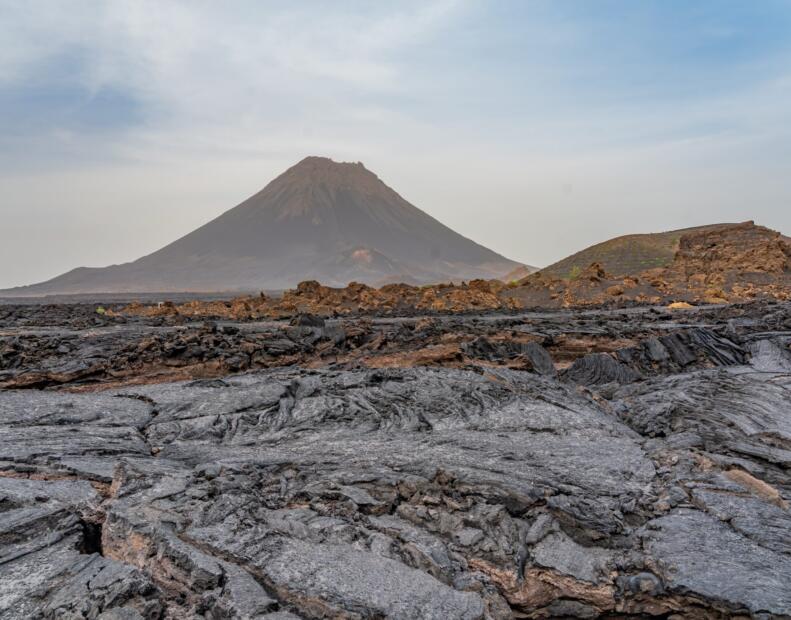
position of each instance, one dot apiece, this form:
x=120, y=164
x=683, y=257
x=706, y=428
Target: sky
x=534, y=127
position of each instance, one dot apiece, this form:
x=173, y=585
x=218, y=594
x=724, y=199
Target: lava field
x=568, y=463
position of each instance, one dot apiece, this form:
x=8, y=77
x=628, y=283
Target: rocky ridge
x=726, y=263
x=628, y=254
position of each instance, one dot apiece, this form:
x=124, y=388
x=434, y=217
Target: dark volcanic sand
x=566, y=464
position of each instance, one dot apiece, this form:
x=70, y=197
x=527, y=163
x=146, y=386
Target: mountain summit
x=320, y=219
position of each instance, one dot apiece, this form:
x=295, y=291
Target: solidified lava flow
x=629, y=462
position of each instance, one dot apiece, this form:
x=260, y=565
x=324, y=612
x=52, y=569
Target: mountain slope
x=334, y=222
x=518, y=273
x=626, y=255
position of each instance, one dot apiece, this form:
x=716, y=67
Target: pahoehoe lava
x=600, y=463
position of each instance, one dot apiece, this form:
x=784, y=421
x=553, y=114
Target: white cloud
x=211, y=75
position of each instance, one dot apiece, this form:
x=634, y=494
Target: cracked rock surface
x=568, y=464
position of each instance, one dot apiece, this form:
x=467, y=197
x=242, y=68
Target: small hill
x=522, y=271
x=713, y=264
x=626, y=255
x=319, y=220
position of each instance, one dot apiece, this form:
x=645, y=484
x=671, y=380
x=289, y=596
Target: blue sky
x=533, y=127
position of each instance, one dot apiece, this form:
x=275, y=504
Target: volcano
x=319, y=220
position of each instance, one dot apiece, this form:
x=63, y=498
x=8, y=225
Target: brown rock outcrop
x=715, y=265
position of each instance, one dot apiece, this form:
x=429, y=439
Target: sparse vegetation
x=625, y=255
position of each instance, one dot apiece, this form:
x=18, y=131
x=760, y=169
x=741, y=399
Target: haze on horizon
x=535, y=128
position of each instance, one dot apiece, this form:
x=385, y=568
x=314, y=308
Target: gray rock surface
x=477, y=492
